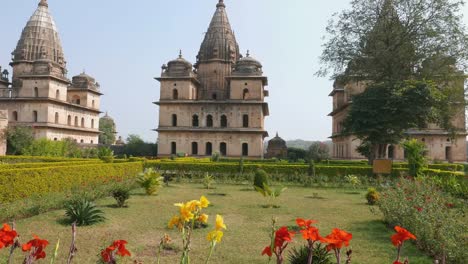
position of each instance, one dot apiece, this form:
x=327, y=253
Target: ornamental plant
x=189, y=213
x=398, y=239
x=117, y=248
x=280, y=240
x=35, y=249
x=336, y=241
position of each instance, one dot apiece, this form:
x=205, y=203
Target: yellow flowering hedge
x=46, y=164
x=21, y=183
x=28, y=159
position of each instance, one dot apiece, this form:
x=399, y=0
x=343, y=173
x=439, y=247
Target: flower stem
x=213, y=245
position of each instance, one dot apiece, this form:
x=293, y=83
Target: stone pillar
x=3, y=126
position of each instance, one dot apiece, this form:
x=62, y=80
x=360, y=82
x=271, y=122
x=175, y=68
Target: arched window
x=224, y=121
x=209, y=121
x=448, y=154
x=195, y=120
x=69, y=120
x=214, y=96
x=173, y=148
x=209, y=149
x=391, y=152
x=174, y=120
x=36, y=92
x=15, y=116
x=223, y=149
x=194, y=148
x=35, y=118
x=82, y=141
x=245, y=120
x=82, y=122
x=76, y=99
x=245, y=149
x=76, y=121
x=175, y=94
x=55, y=139
x=92, y=125
x=57, y=94
x=245, y=94
x=56, y=117
x=92, y=141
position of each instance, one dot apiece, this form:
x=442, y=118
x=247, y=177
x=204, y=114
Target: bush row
x=22, y=183
x=27, y=159
x=11, y=166
x=443, y=166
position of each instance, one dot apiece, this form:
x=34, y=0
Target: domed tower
x=41, y=96
x=217, y=105
x=277, y=148
x=108, y=130
x=219, y=51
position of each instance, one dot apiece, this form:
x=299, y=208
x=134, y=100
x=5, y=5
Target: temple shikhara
x=216, y=105
x=40, y=95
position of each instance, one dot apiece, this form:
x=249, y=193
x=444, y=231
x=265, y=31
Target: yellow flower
x=175, y=221
x=193, y=205
x=204, y=202
x=203, y=218
x=185, y=212
x=215, y=235
x=219, y=223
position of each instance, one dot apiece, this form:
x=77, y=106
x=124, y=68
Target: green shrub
x=261, y=178
x=436, y=219
x=83, y=213
x=150, y=180
x=415, y=155
x=208, y=181
x=22, y=183
x=300, y=255
x=372, y=196
x=353, y=180
x=215, y=157
x=121, y=194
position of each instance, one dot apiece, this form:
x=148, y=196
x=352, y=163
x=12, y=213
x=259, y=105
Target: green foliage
x=300, y=255
x=318, y=151
x=241, y=166
x=415, y=151
x=22, y=183
x=372, y=196
x=137, y=147
x=83, y=213
x=150, y=180
x=215, y=157
x=353, y=180
x=121, y=194
x=105, y=154
x=208, y=181
x=436, y=219
x=49, y=148
x=260, y=179
x=107, y=129
x=294, y=154
x=18, y=139
x=311, y=169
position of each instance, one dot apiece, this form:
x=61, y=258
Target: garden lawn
x=144, y=222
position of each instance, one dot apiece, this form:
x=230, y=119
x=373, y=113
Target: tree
x=409, y=54
x=137, y=147
x=18, y=139
x=107, y=129
x=295, y=154
x=318, y=151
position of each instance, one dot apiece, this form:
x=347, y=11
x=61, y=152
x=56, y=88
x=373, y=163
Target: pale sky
x=124, y=43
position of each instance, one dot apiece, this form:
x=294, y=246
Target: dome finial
x=248, y=53
x=277, y=134
x=180, y=54
x=43, y=3
x=221, y=4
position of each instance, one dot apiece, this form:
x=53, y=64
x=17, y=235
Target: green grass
x=144, y=222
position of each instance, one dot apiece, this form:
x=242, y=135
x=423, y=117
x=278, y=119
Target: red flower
x=7, y=236
x=397, y=262
x=449, y=205
x=418, y=208
x=108, y=254
x=401, y=236
x=36, y=247
x=267, y=251
x=337, y=239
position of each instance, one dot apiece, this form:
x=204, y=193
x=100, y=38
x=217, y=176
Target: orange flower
x=312, y=234
x=7, y=236
x=36, y=247
x=401, y=236
x=108, y=254
x=267, y=251
x=121, y=250
x=337, y=239
x=304, y=223
x=282, y=237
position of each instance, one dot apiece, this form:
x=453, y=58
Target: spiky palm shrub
x=83, y=212
x=150, y=180
x=300, y=255
x=121, y=194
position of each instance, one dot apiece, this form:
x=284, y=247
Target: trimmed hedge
x=45, y=164
x=28, y=159
x=22, y=183
x=280, y=169
x=442, y=166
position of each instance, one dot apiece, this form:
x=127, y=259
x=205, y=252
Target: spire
x=43, y=3
x=40, y=39
x=180, y=54
x=277, y=134
x=220, y=42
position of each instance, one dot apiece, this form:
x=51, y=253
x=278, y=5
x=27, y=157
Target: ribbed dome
x=248, y=66
x=40, y=39
x=178, y=67
x=84, y=81
x=220, y=42
x=277, y=141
